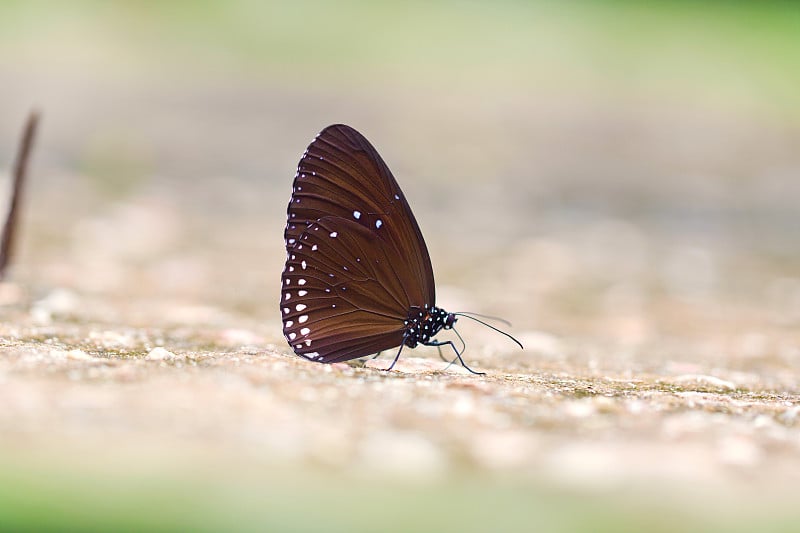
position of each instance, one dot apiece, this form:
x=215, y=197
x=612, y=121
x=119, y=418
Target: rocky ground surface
x=222, y=399
x=652, y=280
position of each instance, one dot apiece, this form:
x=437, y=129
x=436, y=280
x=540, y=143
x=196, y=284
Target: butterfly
x=358, y=278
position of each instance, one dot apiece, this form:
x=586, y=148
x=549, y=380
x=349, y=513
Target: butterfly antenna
x=488, y=317
x=490, y=327
x=463, y=344
x=20, y=171
x=441, y=356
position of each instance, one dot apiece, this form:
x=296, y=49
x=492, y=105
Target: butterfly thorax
x=424, y=323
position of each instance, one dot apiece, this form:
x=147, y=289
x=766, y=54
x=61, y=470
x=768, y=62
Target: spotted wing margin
x=333, y=305
x=341, y=174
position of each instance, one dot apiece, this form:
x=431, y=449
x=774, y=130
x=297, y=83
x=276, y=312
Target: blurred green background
x=632, y=167
x=674, y=122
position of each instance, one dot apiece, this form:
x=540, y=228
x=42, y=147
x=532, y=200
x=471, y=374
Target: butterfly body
x=423, y=324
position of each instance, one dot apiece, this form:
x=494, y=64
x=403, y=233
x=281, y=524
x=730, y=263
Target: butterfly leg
x=458, y=355
x=376, y=355
x=396, y=357
x=442, y=357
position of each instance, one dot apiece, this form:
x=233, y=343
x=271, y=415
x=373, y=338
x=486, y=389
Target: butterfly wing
x=356, y=259
x=341, y=174
x=341, y=296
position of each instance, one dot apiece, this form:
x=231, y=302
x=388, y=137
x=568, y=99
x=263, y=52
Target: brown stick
x=20, y=173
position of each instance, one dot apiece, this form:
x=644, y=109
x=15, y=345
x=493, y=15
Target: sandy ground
x=655, y=289
x=229, y=406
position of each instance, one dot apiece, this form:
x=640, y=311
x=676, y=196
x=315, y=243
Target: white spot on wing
x=301, y=281
x=300, y=307
x=302, y=293
x=292, y=336
x=303, y=264
x=314, y=248
x=334, y=234
x=378, y=223
x=302, y=319
x=287, y=296
x=357, y=214
x=305, y=331
x=308, y=342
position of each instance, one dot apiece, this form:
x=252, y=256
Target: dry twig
x=20, y=173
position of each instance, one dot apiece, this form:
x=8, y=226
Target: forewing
x=342, y=175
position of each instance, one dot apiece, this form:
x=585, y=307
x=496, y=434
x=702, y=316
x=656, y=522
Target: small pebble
x=78, y=355
x=580, y=408
x=58, y=354
x=160, y=354
x=112, y=339
x=704, y=381
x=604, y=404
